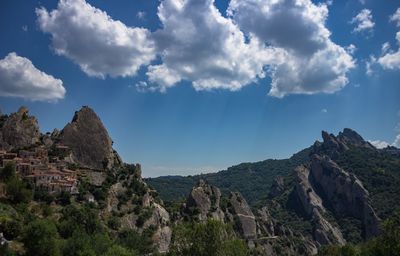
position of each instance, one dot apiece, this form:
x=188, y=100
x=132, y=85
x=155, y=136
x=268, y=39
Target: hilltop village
x=49, y=173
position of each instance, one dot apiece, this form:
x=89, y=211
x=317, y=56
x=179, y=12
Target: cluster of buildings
x=48, y=173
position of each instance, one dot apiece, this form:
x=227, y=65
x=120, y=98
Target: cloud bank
x=20, y=78
x=284, y=39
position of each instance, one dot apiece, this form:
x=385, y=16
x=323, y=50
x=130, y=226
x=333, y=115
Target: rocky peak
x=205, y=199
x=19, y=130
x=350, y=137
x=89, y=141
x=334, y=145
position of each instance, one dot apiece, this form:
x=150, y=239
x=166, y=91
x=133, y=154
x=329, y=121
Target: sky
x=195, y=86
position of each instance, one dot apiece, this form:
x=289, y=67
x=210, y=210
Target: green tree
x=212, y=238
x=117, y=250
x=17, y=191
x=41, y=238
x=135, y=242
x=7, y=172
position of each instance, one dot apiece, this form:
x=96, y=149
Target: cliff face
x=89, y=141
x=344, y=192
x=19, y=130
x=323, y=232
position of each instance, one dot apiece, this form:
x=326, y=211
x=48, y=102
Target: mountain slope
x=252, y=180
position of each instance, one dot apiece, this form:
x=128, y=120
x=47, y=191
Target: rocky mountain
x=89, y=141
x=18, y=130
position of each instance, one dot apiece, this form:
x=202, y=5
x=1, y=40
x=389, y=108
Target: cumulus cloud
x=20, y=78
x=391, y=59
x=363, y=21
x=198, y=44
x=100, y=45
x=284, y=39
x=313, y=63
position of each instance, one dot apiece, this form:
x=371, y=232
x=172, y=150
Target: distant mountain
x=252, y=180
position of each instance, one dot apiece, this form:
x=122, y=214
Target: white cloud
x=396, y=142
x=141, y=15
x=285, y=39
x=324, y=110
x=100, y=45
x=313, y=63
x=25, y=28
x=363, y=21
x=198, y=44
x=379, y=143
x=385, y=47
x=20, y=78
x=369, y=64
x=391, y=59
x=396, y=17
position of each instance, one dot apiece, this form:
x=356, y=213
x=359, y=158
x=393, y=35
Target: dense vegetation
x=388, y=243
x=252, y=180
x=212, y=238
x=379, y=173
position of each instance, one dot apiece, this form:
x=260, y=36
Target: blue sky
x=189, y=86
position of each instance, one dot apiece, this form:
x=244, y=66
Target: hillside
x=252, y=180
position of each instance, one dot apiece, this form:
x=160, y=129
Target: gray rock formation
x=324, y=232
x=344, y=192
x=244, y=215
x=205, y=199
x=334, y=145
x=89, y=141
x=19, y=130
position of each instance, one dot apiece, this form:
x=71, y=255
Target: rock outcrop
x=139, y=211
x=89, y=141
x=19, y=130
x=204, y=202
x=333, y=145
x=324, y=232
x=243, y=215
x=344, y=193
